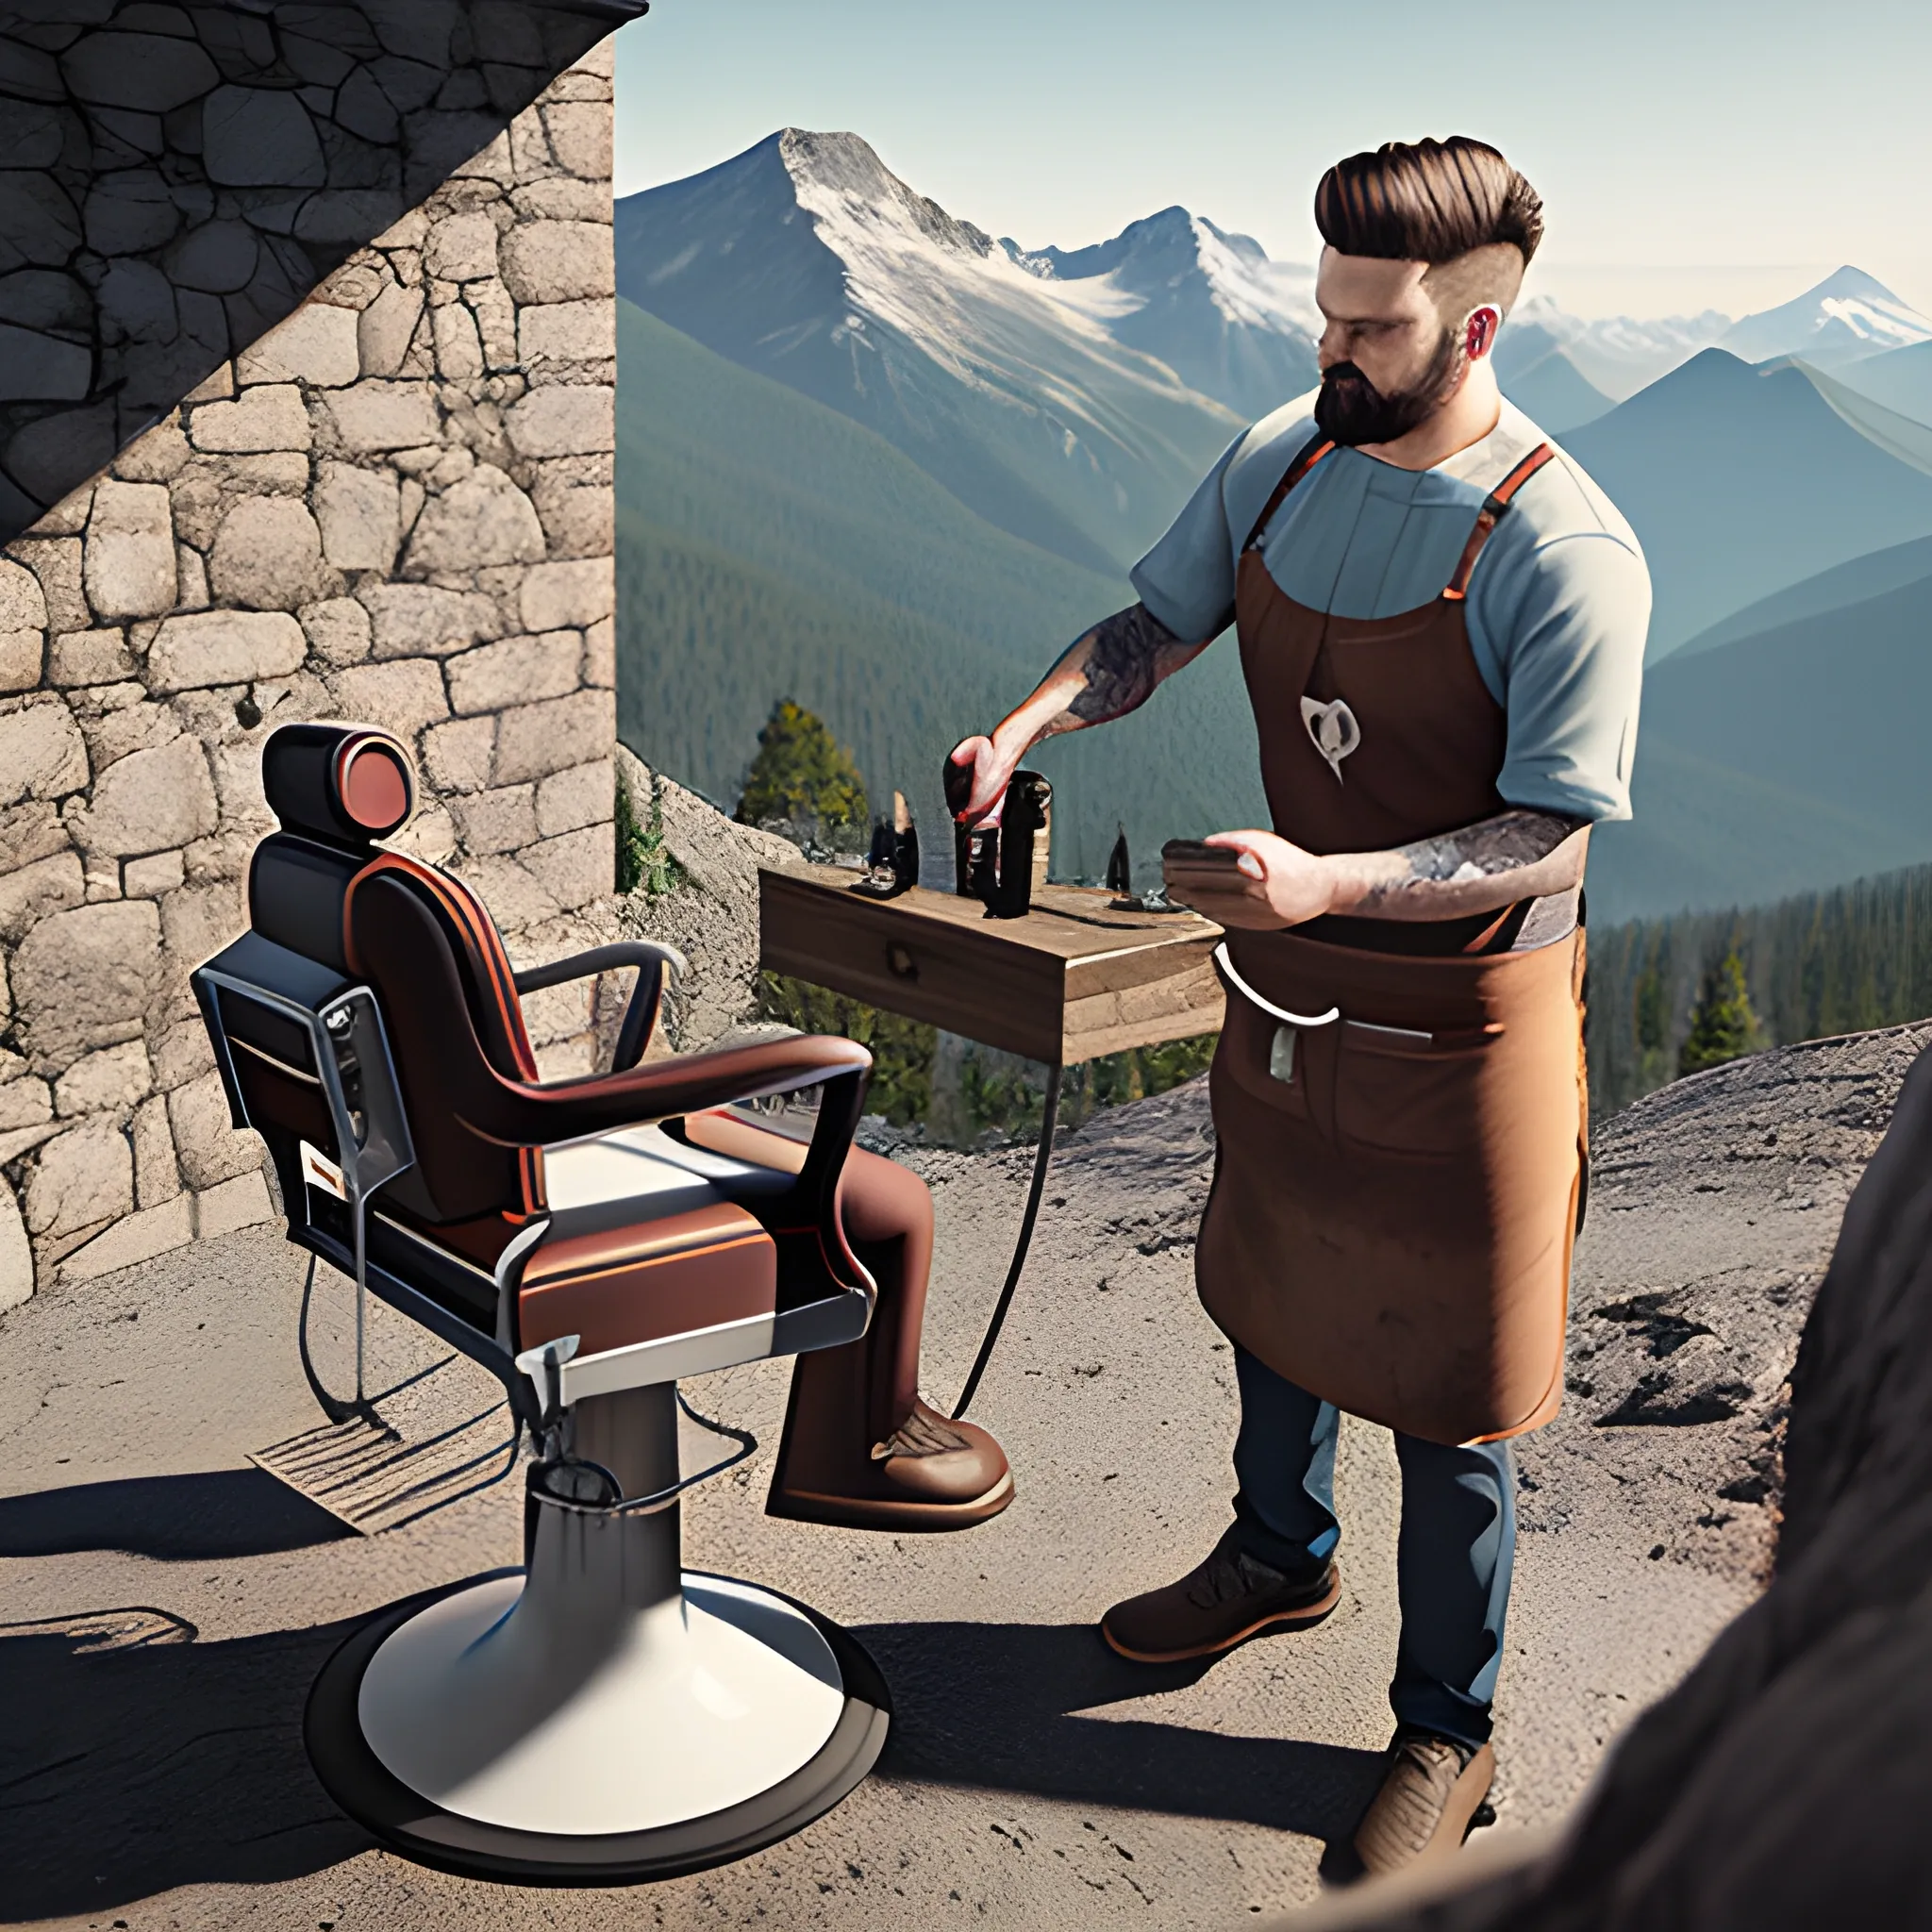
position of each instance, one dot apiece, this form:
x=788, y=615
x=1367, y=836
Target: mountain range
x=1230, y=323
x=1740, y=482
x=1838, y=590
x=1785, y=759
x=769, y=547
x=875, y=459
x=804, y=260
x=1900, y=379
x=1617, y=355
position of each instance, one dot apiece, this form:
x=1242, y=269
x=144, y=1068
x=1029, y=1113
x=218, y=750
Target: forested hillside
x=768, y=547
x=1816, y=965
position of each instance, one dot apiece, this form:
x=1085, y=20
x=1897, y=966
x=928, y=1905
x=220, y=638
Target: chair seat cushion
x=649, y=1281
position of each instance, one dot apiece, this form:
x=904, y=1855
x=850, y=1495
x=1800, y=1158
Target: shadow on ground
x=125, y=1772
x=214, y=1515
x=1001, y=1705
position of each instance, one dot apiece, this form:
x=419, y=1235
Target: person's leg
x=1453, y=1563
x=1272, y=1568
x=1284, y=1460
x=887, y=1211
x=860, y=1448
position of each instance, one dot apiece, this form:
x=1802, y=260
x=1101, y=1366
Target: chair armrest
x=687, y=1083
x=651, y=959
x=696, y=1082
x=640, y=953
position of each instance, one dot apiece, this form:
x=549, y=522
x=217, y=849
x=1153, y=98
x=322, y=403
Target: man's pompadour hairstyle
x=1429, y=201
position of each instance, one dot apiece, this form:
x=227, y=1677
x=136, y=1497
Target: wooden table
x=1071, y=980
x=1068, y=982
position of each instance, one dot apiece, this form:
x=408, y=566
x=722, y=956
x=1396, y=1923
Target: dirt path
x=1033, y=1780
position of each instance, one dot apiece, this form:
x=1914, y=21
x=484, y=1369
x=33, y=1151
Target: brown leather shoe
x=929, y=1473
x=1217, y=1604
x=1431, y=1791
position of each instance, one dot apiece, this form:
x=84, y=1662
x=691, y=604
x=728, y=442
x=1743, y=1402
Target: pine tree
x=1653, y=1014
x=801, y=775
x=1723, y=1024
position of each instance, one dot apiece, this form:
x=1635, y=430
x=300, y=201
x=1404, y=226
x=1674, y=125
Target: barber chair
x=600, y=1714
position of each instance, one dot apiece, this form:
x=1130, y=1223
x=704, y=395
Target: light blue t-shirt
x=1557, y=609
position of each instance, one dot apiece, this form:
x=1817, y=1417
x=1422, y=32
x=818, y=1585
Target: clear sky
x=1691, y=153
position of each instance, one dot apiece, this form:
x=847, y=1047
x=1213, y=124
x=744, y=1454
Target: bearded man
x=1441, y=623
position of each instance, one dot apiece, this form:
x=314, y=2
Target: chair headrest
x=345, y=783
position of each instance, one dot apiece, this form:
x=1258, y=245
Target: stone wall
x=175, y=179
x=395, y=506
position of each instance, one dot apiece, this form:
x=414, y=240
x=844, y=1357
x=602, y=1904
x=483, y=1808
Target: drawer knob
x=900, y=962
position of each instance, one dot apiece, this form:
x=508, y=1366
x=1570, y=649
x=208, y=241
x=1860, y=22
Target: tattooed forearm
x=1119, y=662
x=1516, y=855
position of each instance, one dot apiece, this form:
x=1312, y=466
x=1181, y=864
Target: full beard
x=1349, y=409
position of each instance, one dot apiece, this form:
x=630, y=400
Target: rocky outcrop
x=1784, y=1783
x=709, y=909
x=393, y=507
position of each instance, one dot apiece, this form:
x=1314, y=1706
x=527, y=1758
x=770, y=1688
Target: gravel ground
x=1032, y=1779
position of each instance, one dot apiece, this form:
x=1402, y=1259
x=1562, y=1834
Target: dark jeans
x=1453, y=1557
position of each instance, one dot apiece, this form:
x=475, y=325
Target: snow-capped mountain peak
x=841, y=175
x=1210, y=303
x=1158, y=254
x=1848, y=315
x=806, y=258
x=1618, y=354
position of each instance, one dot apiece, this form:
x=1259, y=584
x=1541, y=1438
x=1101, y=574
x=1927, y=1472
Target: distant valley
x=877, y=460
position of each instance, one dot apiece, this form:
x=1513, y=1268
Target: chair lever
x=545, y=1367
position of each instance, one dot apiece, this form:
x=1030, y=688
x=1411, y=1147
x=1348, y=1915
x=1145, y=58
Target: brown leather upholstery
x=480, y=1115
x=664, y=1278
x=396, y=943
x=489, y=989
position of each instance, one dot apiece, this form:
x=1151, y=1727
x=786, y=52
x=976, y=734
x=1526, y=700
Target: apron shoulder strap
x=1307, y=458
x=1491, y=513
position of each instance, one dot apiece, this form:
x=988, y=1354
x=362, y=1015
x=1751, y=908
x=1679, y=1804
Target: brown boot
x=928, y=1474
x=1431, y=1792
x=1219, y=1604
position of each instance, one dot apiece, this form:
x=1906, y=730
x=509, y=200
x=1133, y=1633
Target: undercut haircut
x=1433, y=200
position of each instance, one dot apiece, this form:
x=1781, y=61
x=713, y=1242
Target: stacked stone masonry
x=395, y=507
x=176, y=178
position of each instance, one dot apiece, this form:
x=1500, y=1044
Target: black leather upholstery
x=346, y=784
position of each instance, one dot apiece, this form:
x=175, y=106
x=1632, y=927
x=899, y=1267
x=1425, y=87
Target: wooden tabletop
x=1071, y=979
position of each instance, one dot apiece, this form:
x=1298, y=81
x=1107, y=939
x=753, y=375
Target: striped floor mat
x=405, y=1459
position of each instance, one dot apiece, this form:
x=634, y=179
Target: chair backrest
x=321, y=888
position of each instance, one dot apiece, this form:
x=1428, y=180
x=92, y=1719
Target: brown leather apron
x=1397, y=1181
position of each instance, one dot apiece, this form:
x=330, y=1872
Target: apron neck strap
x=1310, y=455
x=1494, y=505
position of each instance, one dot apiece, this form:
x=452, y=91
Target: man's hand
x=1273, y=883
x=992, y=769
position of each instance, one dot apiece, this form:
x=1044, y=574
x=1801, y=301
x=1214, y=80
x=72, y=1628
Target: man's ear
x=1479, y=331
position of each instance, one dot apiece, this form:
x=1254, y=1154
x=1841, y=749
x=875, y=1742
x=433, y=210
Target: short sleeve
x=1186, y=579
x=1568, y=646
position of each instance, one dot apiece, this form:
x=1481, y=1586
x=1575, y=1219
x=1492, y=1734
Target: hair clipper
x=996, y=864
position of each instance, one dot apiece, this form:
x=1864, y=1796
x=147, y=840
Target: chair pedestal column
x=602, y=1713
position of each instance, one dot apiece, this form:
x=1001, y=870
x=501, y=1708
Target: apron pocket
x=1267, y=1059
x=1398, y=1092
